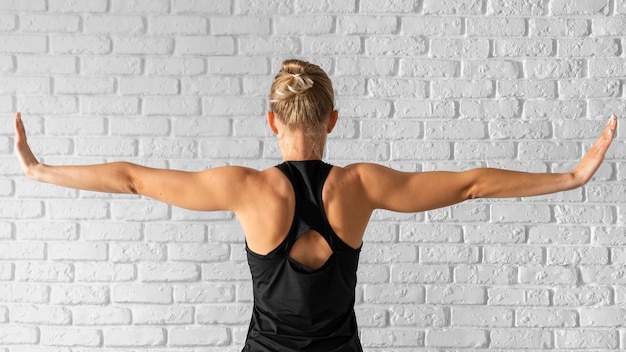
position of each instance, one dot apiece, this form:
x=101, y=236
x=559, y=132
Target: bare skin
x=264, y=200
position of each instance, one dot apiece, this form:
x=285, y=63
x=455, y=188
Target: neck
x=297, y=145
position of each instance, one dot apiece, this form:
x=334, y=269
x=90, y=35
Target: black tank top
x=296, y=308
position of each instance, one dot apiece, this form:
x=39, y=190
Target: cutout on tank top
x=311, y=250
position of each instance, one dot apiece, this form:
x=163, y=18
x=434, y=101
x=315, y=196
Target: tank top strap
x=307, y=179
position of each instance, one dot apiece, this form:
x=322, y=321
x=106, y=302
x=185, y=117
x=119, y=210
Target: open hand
x=26, y=156
x=594, y=157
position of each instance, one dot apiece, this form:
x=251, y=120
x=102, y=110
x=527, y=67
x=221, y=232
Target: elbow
x=131, y=187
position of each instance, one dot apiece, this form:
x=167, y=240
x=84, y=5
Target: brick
x=481, y=317
x=371, y=317
x=586, y=339
x=548, y=275
x=225, y=271
x=176, y=105
x=395, y=294
x=549, y=68
x=224, y=314
x=80, y=44
x=583, y=214
x=168, y=272
x=462, y=89
x=395, y=46
x=77, y=251
x=605, y=317
x=35, y=64
x=449, y=7
x=378, y=6
x=448, y=254
x=109, y=105
x=139, y=126
x=423, y=316
x=526, y=89
x=205, y=293
x=137, y=252
x=24, y=293
x=431, y=69
x=455, y=294
x=491, y=69
x=148, y=85
x=490, y=109
x=120, y=65
x=298, y=24
x=78, y=210
x=393, y=338
x=328, y=6
x=48, y=231
x=38, y=314
x=521, y=338
x=236, y=25
x=518, y=255
x=545, y=317
x=508, y=296
x=387, y=88
x=40, y=271
x=516, y=8
x=134, y=336
x=559, y=235
x=143, y=46
x=175, y=66
x=28, y=5
x=460, y=48
x=566, y=109
x=238, y=65
x=78, y=6
x=19, y=334
x=198, y=336
x=93, y=316
x=372, y=274
x=438, y=26
x=44, y=23
x=22, y=209
x=30, y=44
x=418, y=150
x=79, y=295
x=597, y=88
x=606, y=67
x=495, y=27
x=140, y=6
x=181, y=25
x=418, y=273
x=141, y=293
x=386, y=253
x=268, y=46
x=520, y=130
x=270, y=7
x=25, y=85
x=588, y=47
x=559, y=27
x=156, y=315
x=515, y=47
x=218, y=7
x=610, y=26
x=571, y=7
x=335, y=45
x=602, y=275
x=439, y=233
x=367, y=25
x=484, y=274
x=386, y=130
x=84, y=85
x=457, y=338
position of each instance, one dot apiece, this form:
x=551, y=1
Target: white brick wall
x=421, y=85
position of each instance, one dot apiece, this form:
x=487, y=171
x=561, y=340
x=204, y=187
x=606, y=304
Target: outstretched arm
x=214, y=189
x=384, y=188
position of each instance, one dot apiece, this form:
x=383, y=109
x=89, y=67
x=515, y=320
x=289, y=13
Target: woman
x=304, y=220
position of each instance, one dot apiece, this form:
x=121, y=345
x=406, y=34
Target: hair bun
x=301, y=93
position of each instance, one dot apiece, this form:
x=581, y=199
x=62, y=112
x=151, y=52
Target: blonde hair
x=302, y=94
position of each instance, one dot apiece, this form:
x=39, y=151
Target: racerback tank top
x=296, y=308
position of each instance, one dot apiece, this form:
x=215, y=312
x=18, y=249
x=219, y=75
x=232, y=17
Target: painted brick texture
x=420, y=85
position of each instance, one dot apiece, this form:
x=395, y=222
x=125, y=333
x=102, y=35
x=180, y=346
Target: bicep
x=213, y=189
x=394, y=190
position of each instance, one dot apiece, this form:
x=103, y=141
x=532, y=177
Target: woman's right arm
x=214, y=189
